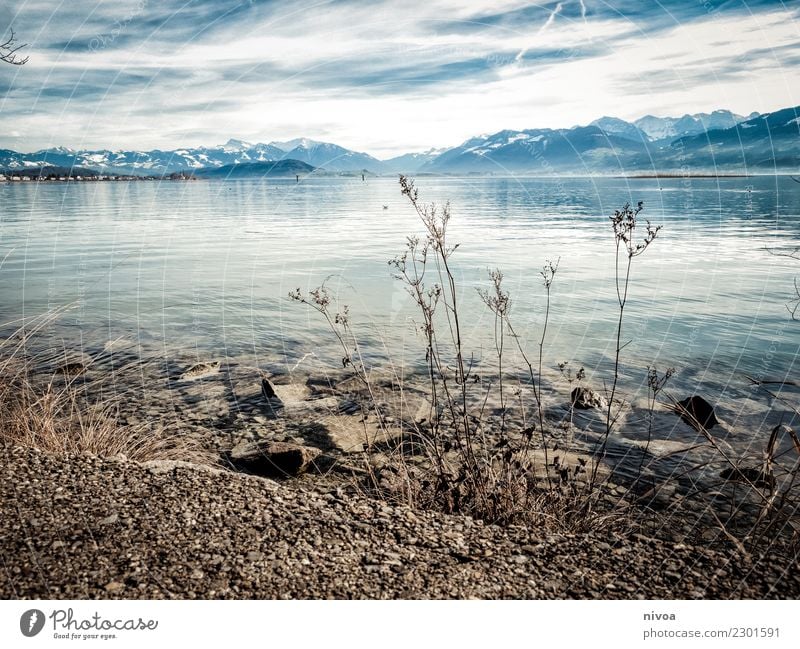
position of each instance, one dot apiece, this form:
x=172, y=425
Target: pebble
x=198, y=533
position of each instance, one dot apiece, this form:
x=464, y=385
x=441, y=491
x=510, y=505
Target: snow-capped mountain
x=236, y=145
x=616, y=126
x=542, y=151
x=716, y=141
x=662, y=128
x=155, y=161
x=331, y=157
x=410, y=163
x=292, y=144
x=609, y=145
x=318, y=154
x=765, y=142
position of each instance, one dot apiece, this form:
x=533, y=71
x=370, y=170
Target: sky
x=384, y=77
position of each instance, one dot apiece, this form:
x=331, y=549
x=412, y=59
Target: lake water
x=206, y=266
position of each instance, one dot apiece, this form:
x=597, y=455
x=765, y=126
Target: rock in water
x=266, y=389
x=199, y=370
x=273, y=459
x=756, y=477
x=73, y=368
x=584, y=399
x=698, y=409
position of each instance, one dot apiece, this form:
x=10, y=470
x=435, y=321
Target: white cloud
x=387, y=80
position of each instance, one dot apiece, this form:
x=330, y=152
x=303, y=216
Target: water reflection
x=208, y=265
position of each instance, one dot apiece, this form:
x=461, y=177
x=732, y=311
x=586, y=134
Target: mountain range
x=703, y=142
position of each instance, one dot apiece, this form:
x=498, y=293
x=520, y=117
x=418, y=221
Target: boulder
x=696, y=410
x=349, y=434
x=273, y=459
x=288, y=394
x=585, y=399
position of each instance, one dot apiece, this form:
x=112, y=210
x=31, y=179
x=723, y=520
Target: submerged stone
x=584, y=399
x=696, y=410
x=756, y=477
x=200, y=370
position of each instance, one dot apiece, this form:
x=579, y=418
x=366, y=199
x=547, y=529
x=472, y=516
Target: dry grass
x=512, y=497
x=55, y=415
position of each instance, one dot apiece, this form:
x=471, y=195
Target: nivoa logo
x=31, y=622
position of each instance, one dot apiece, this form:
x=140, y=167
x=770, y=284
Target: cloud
x=550, y=19
x=388, y=78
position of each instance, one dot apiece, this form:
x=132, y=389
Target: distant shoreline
x=678, y=176
x=8, y=179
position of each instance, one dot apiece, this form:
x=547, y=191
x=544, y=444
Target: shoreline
x=116, y=529
x=668, y=176
x=220, y=401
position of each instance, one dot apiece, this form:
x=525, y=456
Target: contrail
x=550, y=19
x=542, y=29
x=583, y=10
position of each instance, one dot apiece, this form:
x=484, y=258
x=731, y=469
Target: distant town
x=27, y=176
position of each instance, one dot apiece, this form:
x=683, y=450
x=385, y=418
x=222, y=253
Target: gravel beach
x=84, y=527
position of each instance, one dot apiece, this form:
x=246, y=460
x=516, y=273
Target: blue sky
x=384, y=77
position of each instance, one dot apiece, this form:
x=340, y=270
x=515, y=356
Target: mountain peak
x=236, y=145
x=60, y=149
x=617, y=126
x=660, y=128
x=300, y=142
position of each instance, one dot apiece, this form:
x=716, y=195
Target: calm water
x=207, y=266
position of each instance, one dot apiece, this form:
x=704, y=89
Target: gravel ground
x=84, y=527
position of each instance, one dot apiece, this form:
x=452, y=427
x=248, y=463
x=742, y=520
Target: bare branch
x=9, y=49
